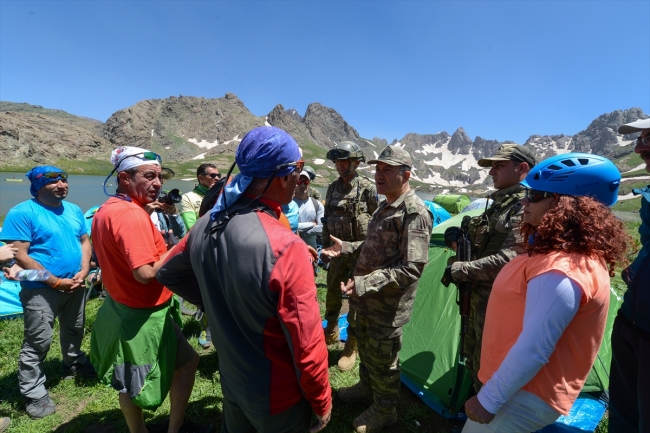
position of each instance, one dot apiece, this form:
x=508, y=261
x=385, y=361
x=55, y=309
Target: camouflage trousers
x=474, y=336
x=379, y=370
x=340, y=270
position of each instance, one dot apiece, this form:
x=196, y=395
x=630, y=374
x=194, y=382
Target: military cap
x=393, y=155
x=510, y=152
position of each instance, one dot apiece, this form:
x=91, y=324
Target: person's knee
x=191, y=365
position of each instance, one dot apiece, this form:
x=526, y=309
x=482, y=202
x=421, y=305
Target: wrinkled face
x=302, y=187
x=643, y=148
x=210, y=177
x=533, y=212
x=389, y=179
x=346, y=167
x=54, y=191
x=505, y=173
x=145, y=185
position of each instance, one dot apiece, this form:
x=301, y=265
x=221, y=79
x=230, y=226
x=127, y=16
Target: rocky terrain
x=188, y=128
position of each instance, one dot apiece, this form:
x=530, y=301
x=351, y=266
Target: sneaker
x=85, y=370
x=349, y=355
x=40, y=407
x=356, y=393
x=4, y=423
x=204, y=340
x=374, y=419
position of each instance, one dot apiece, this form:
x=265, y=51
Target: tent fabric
x=453, y=203
x=440, y=214
x=479, y=203
x=10, y=306
x=430, y=343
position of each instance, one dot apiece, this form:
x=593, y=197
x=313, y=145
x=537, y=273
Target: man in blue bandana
x=49, y=234
x=255, y=279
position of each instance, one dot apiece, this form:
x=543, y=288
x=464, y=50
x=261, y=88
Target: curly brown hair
x=579, y=224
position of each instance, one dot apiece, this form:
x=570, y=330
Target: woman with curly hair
x=547, y=311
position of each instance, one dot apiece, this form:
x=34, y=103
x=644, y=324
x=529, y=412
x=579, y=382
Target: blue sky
x=501, y=69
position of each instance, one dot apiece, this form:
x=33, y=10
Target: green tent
x=453, y=203
x=429, y=355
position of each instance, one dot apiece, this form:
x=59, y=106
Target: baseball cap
x=510, y=152
x=636, y=126
x=392, y=155
x=305, y=173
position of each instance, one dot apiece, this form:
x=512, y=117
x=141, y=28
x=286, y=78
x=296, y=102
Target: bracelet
x=57, y=283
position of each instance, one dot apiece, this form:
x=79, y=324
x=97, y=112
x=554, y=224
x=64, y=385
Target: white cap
x=636, y=126
x=304, y=173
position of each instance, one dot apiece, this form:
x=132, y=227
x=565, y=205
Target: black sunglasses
x=213, y=175
x=645, y=141
x=533, y=195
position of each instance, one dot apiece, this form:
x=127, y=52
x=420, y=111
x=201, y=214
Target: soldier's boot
x=349, y=355
x=356, y=393
x=331, y=334
x=374, y=418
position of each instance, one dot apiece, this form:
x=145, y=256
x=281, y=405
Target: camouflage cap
x=393, y=155
x=510, y=152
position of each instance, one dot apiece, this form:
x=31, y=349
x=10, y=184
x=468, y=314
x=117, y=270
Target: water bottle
x=33, y=275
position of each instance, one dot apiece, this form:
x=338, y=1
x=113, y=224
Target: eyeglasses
x=645, y=141
x=54, y=175
x=534, y=196
x=303, y=181
x=213, y=175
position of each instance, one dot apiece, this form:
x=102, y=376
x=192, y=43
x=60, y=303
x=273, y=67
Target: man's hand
x=8, y=252
x=476, y=412
x=80, y=277
x=153, y=206
x=322, y=421
x=335, y=249
x=348, y=289
x=447, y=278
x=67, y=285
x=10, y=273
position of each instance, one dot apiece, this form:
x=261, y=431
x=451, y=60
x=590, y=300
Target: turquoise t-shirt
x=54, y=235
x=291, y=211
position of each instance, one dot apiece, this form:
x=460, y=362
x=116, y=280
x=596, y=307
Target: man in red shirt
x=136, y=343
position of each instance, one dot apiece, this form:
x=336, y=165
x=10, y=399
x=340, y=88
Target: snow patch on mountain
x=203, y=143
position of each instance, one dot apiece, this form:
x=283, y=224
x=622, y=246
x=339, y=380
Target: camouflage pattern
x=496, y=239
x=314, y=193
x=391, y=260
x=348, y=207
x=379, y=370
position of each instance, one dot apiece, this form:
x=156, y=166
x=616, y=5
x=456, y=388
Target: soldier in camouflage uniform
x=383, y=288
x=313, y=192
x=349, y=203
x=495, y=241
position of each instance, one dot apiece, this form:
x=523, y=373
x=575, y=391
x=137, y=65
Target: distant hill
x=188, y=130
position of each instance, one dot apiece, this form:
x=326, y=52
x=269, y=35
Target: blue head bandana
x=35, y=175
x=259, y=153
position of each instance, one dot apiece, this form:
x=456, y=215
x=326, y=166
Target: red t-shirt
x=125, y=238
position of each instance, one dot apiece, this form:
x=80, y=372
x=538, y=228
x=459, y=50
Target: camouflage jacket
x=348, y=208
x=391, y=260
x=496, y=238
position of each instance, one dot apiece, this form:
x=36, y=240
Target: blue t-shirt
x=291, y=211
x=54, y=235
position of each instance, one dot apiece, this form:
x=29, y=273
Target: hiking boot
x=4, y=423
x=349, y=355
x=331, y=335
x=373, y=419
x=356, y=393
x=85, y=370
x=40, y=407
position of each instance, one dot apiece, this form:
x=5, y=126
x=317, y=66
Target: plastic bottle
x=33, y=275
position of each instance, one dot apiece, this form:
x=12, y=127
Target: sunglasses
x=213, y=175
x=645, y=141
x=333, y=154
x=534, y=196
x=53, y=175
x=298, y=164
x=152, y=156
x=303, y=182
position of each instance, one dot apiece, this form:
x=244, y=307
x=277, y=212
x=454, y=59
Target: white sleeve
x=552, y=300
x=318, y=228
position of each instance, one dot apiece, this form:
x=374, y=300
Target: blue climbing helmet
x=576, y=174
